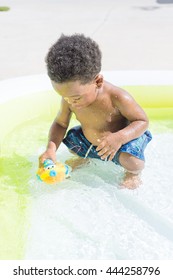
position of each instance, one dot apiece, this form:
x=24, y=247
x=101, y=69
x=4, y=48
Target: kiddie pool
x=87, y=216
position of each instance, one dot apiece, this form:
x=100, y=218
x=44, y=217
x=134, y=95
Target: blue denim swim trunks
x=77, y=142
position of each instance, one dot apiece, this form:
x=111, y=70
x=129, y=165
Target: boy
x=113, y=126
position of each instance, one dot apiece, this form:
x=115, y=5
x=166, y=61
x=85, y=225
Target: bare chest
x=99, y=118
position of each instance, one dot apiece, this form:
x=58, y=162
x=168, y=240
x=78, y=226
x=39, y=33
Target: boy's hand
x=108, y=146
x=48, y=154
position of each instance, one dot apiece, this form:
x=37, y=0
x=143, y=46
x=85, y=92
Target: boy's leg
x=78, y=145
x=131, y=157
x=76, y=161
x=133, y=167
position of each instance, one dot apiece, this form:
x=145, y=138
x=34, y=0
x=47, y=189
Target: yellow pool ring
x=157, y=101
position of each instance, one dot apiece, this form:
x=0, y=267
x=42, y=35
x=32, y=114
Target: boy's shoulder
x=114, y=91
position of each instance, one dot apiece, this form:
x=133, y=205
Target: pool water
x=87, y=216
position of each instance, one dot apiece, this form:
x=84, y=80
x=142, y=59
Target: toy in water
x=51, y=172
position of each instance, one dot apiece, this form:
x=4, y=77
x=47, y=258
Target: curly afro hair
x=72, y=58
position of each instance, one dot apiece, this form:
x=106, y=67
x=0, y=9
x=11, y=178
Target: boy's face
x=79, y=95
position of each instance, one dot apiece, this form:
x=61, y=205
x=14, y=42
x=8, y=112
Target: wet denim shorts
x=77, y=142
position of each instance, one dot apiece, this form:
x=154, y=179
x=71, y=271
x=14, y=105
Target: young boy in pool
x=113, y=126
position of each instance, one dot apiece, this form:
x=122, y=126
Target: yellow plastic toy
x=51, y=173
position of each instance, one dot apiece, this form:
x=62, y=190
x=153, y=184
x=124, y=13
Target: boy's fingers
x=104, y=154
x=41, y=160
x=103, y=151
x=40, y=163
x=109, y=155
x=112, y=156
x=100, y=146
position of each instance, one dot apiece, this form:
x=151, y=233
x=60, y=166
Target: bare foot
x=131, y=181
x=77, y=162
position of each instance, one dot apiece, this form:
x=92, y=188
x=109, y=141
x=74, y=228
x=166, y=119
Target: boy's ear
x=99, y=80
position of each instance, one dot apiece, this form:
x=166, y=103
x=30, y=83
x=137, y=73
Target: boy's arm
x=130, y=109
x=138, y=124
x=57, y=132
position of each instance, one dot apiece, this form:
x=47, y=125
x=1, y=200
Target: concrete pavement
x=132, y=34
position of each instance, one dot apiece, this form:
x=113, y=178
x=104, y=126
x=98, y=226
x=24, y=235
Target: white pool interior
x=88, y=216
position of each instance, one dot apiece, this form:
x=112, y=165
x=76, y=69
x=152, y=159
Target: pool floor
x=87, y=216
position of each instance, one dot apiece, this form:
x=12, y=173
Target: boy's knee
x=131, y=163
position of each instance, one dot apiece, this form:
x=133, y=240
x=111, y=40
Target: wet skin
x=109, y=116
